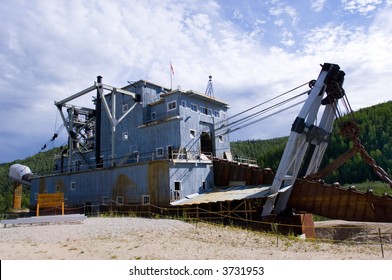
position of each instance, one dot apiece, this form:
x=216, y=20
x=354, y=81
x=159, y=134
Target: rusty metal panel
x=337, y=203
x=226, y=171
x=158, y=182
x=129, y=182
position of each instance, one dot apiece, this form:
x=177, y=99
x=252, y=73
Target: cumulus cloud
x=317, y=5
x=361, y=6
x=52, y=49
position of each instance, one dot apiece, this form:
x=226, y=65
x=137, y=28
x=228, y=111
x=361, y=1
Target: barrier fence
x=357, y=235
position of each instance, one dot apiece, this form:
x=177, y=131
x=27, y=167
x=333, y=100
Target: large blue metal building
x=139, y=144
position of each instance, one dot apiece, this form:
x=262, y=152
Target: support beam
x=17, y=201
x=307, y=141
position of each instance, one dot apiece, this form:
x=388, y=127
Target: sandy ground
x=146, y=239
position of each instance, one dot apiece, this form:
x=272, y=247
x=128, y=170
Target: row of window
x=172, y=105
x=192, y=134
x=194, y=107
x=176, y=193
x=105, y=199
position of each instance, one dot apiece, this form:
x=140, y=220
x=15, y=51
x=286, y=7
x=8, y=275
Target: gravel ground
x=139, y=238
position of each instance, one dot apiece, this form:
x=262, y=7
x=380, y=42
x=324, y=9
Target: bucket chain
x=351, y=130
x=381, y=173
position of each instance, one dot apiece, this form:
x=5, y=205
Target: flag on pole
x=171, y=68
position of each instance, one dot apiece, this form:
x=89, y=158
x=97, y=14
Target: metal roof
x=225, y=194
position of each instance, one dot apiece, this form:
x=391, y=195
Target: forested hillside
x=267, y=153
x=376, y=136
x=39, y=163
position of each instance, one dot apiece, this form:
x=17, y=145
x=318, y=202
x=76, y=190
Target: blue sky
x=253, y=49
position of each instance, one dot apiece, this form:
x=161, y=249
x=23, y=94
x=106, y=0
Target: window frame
x=124, y=107
x=159, y=152
x=194, y=107
x=192, y=133
x=146, y=199
x=125, y=136
x=170, y=106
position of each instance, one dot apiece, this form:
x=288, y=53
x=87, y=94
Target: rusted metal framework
x=83, y=124
x=335, y=202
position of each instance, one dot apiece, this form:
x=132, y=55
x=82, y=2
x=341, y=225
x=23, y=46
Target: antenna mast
x=210, y=89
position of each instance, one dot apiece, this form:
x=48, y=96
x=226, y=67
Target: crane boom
x=307, y=141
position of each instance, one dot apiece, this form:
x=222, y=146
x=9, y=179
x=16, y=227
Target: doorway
x=206, y=143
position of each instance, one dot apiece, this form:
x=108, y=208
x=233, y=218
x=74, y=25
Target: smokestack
x=98, y=162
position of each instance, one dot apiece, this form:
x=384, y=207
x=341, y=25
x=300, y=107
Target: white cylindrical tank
x=20, y=172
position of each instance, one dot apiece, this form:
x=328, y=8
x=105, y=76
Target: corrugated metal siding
x=192, y=177
x=129, y=182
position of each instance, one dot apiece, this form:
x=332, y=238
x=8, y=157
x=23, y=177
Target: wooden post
x=382, y=248
x=17, y=203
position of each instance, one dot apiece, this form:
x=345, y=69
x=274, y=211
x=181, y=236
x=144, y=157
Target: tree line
x=375, y=135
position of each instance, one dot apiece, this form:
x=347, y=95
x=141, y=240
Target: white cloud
x=361, y=6
x=287, y=38
x=317, y=5
x=281, y=10
x=52, y=49
x=237, y=14
x=279, y=22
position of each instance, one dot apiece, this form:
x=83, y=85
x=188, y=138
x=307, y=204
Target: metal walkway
x=72, y=218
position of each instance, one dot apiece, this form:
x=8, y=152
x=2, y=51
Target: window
x=177, y=190
x=72, y=186
x=153, y=116
x=105, y=200
x=145, y=199
x=204, y=185
x=58, y=188
x=205, y=111
x=183, y=103
x=119, y=200
x=77, y=165
x=192, y=133
x=172, y=105
x=169, y=149
x=124, y=108
x=216, y=114
x=220, y=137
x=159, y=152
x=194, y=107
x=125, y=136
